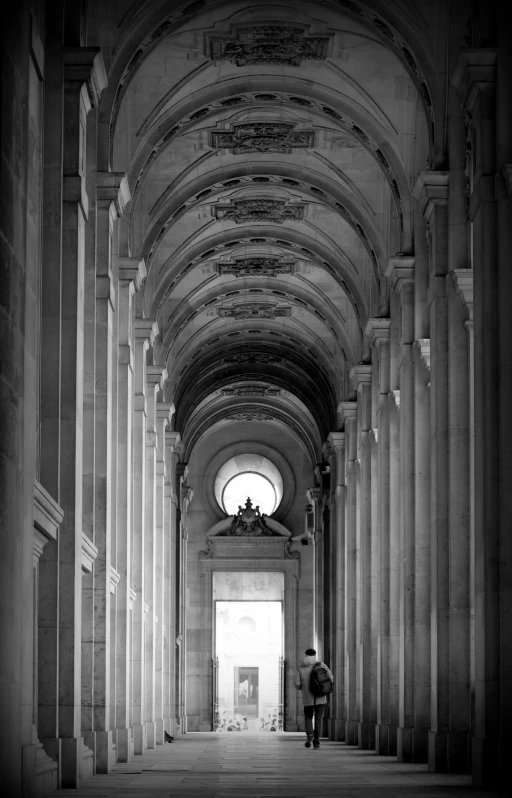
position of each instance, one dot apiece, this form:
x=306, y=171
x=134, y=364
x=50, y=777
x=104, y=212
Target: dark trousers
x=314, y=711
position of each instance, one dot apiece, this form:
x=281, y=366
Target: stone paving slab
x=224, y=766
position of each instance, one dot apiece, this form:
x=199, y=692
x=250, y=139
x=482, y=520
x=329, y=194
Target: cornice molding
x=89, y=553
x=133, y=270
x=475, y=70
x=361, y=375
x=146, y=329
x=423, y=345
x=113, y=187
x=431, y=189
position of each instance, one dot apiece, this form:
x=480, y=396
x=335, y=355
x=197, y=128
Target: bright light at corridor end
x=249, y=475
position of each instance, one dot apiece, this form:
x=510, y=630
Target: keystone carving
x=254, y=310
x=268, y=44
x=257, y=267
x=259, y=210
x=262, y=137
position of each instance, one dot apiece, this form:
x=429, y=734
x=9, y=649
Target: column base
x=139, y=738
x=448, y=752
x=412, y=744
x=486, y=757
x=339, y=729
x=150, y=733
x=124, y=745
x=351, y=732
x=366, y=735
x=385, y=739
x=159, y=732
x=104, y=752
x=77, y=762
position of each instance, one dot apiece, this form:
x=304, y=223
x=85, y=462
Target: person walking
x=313, y=697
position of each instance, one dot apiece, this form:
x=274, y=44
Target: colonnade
x=415, y=513
x=108, y=623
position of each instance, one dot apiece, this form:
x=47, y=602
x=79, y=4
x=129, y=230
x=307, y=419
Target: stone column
x=186, y=496
x=112, y=196
x=155, y=377
x=131, y=273
x=361, y=377
x=172, y=446
x=145, y=333
x=475, y=80
x=431, y=192
x=84, y=79
x=400, y=272
x=377, y=331
x=314, y=496
x=463, y=280
x=163, y=418
x=349, y=416
x=337, y=442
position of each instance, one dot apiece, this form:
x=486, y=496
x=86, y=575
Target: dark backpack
x=319, y=682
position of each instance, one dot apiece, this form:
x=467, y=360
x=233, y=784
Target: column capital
x=474, y=72
x=431, y=190
x=165, y=411
x=400, y=272
x=85, y=65
x=113, y=187
x=336, y=439
x=156, y=376
x=423, y=345
x=146, y=329
x=315, y=494
x=173, y=441
x=463, y=280
x=348, y=411
x=361, y=375
x=377, y=330
x=132, y=270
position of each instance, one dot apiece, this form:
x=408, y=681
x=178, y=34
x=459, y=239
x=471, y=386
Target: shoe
x=307, y=744
x=316, y=745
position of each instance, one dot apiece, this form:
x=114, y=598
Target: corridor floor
x=276, y=765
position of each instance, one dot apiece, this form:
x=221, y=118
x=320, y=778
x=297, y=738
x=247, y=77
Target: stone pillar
x=431, y=192
x=164, y=413
x=112, y=197
x=186, y=496
x=463, y=280
x=131, y=273
x=400, y=272
x=145, y=333
x=155, y=378
x=377, y=331
x=475, y=80
x=84, y=80
x=315, y=498
x=337, y=442
x=361, y=377
x=349, y=416
x=172, y=446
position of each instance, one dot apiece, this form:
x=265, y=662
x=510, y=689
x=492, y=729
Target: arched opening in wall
x=246, y=476
x=248, y=690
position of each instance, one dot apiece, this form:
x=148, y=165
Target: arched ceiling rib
x=270, y=164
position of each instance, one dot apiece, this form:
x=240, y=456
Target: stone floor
x=271, y=766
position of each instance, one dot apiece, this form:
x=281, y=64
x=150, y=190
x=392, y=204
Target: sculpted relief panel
x=262, y=137
x=257, y=267
x=259, y=210
x=255, y=310
x=268, y=44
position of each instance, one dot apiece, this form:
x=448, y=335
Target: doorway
x=248, y=692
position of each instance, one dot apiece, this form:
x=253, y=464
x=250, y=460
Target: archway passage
x=267, y=241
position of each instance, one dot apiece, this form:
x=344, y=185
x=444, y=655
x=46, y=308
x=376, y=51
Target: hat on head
x=310, y=652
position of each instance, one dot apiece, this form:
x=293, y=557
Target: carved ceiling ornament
x=257, y=267
x=261, y=209
x=268, y=44
x=252, y=357
x=262, y=137
x=251, y=390
x=254, y=310
x=249, y=415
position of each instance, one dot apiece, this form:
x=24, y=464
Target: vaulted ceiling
x=271, y=150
